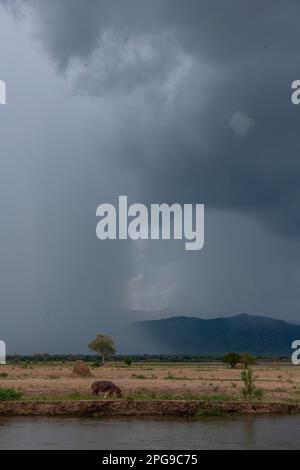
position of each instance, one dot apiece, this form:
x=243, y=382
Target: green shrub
x=128, y=361
x=250, y=390
x=10, y=394
x=213, y=411
x=249, y=380
x=24, y=366
x=258, y=393
x=94, y=365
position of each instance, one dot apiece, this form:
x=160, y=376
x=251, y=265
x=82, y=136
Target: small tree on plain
x=247, y=360
x=102, y=345
x=128, y=361
x=250, y=390
x=231, y=359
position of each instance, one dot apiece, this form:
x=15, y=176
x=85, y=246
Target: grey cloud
x=241, y=124
x=237, y=60
x=144, y=62
x=219, y=31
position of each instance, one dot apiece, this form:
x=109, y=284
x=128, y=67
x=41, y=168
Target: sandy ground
x=280, y=382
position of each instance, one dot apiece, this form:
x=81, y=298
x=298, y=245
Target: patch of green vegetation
x=250, y=390
x=138, y=395
x=258, y=393
x=81, y=396
x=10, y=394
x=3, y=375
x=151, y=395
x=28, y=365
x=94, y=365
x=68, y=397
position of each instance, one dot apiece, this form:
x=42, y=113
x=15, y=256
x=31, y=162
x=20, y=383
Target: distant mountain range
x=214, y=337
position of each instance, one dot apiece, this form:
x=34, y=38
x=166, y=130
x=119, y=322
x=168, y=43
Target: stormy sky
x=163, y=101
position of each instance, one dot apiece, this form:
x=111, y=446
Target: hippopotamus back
x=105, y=386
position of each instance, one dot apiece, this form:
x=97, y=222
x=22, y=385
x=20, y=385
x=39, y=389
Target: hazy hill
x=186, y=335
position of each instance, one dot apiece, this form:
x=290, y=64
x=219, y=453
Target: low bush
x=10, y=394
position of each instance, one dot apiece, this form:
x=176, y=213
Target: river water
x=251, y=432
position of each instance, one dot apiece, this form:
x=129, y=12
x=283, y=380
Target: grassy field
x=209, y=381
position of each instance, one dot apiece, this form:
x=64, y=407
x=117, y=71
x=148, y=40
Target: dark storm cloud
x=193, y=70
x=220, y=31
x=58, y=285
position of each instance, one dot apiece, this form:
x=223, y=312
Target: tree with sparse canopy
x=249, y=383
x=232, y=359
x=247, y=360
x=103, y=345
x=128, y=361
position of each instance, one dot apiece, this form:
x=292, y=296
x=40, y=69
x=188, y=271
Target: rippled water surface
x=280, y=432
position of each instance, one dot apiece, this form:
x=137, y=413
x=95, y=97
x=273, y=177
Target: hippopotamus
x=106, y=387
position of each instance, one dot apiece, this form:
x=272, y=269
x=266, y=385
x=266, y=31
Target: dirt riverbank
x=142, y=408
